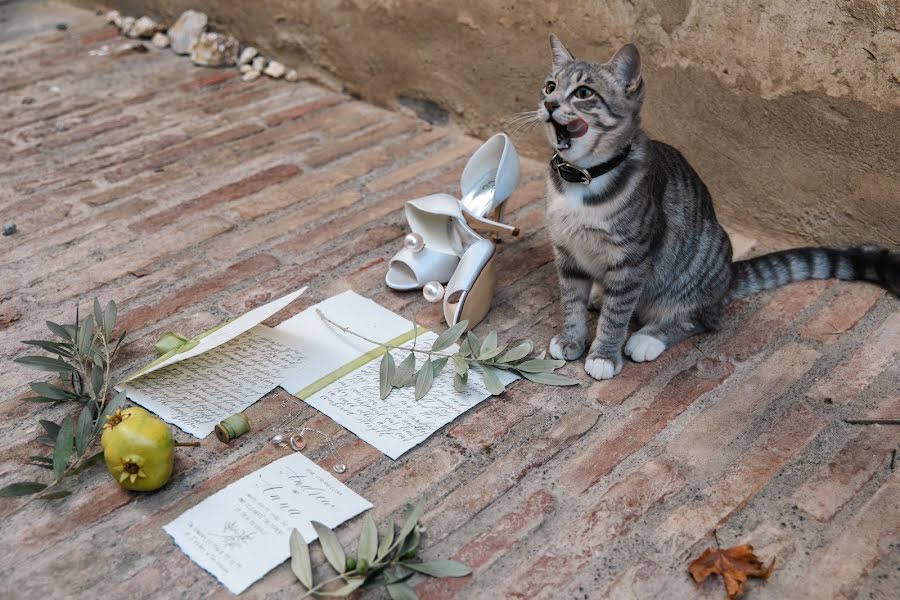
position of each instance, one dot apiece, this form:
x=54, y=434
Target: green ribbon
x=351, y=366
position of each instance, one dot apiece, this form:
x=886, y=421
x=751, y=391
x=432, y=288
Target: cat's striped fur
x=645, y=235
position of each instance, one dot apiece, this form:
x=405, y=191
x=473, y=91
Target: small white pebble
x=160, y=40
x=246, y=68
x=113, y=17
x=292, y=75
x=274, y=69
x=247, y=54
x=250, y=75
x=259, y=63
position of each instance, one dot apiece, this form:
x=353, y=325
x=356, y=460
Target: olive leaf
x=55, y=495
x=386, y=375
x=549, y=378
x=405, y=370
x=489, y=343
x=46, y=363
x=386, y=541
x=424, y=379
x=83, y=429
x=441, y=568
x=331, y=546
x=538, y=365
x=460, y=381
x=22, y=488
x=460, y=364
x=301, y=564
x=401, y=591
x=368, y=540
x=449, y=337
x=437, y=365
x=491, y=381
x=62, y=450
x=517, y=352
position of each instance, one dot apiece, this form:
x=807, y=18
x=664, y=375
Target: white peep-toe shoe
x=439, y=236
x=431, y=253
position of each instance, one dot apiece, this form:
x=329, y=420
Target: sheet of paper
x=241, y=532
x=326, y=347
x=227, y=332
x=393, y=425
x=195, y=395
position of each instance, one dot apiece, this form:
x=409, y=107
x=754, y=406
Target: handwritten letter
x=241, y=533
x=399, y=422
x=198, y=393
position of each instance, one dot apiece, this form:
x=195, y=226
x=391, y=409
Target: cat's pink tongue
x=577, y=128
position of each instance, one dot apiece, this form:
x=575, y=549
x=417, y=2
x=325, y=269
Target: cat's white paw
x=642, y=347
x=565, y=349
x=601, y=368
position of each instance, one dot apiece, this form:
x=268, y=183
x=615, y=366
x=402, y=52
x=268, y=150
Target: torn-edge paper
x=241, y=532
x=222, y=334
x=341, y=374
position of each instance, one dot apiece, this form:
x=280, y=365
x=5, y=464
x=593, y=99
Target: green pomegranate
x=139, y=449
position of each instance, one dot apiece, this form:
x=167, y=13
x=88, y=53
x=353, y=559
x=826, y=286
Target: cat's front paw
x=602, y=368
x=642, y=347
x=565, y=348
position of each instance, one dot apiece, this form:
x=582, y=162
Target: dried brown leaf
x=734, y=564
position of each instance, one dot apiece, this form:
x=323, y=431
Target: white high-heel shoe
x=439, y=239
x=470, y=291
x=440, y=236
x=489, y=178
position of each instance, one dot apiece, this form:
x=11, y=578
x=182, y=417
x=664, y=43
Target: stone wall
x=789, y=109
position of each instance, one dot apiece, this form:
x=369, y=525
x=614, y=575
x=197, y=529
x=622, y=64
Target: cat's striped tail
x=866, y=263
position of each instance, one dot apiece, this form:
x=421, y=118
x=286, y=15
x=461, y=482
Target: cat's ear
x=626, y=67
x=560, y=55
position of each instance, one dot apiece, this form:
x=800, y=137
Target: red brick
x=610, y=518
x=489, y=422
x=356, y=455
x=838, y=480
x=245, y=187
x=720, y=423
x=467, y=501
x=176, y=301
x=339, y=149
x=167, y=157
x=484, y=549
x=300, y=110
x=85, y=133
x=865, y=541
x=770, y=321
x=602, y=455
x=848, y=378
x=102, y=35
x=411, y=480
x=635, y=376
x=850, y=303
x=733, y=489
x=209, y=80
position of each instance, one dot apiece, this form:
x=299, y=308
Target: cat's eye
x=549, y=88
x=584, y=92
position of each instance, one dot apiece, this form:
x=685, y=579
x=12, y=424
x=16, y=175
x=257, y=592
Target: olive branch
x=82, y=353
x=488, y=355
x=390, y=562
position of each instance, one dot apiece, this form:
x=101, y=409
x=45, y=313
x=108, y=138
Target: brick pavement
x=188, y=196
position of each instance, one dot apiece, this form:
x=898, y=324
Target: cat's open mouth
x=565, y=133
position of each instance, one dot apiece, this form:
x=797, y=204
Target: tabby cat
x=630, y=217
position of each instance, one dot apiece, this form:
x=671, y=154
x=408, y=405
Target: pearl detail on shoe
x=414, y=242
x=433, y=291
